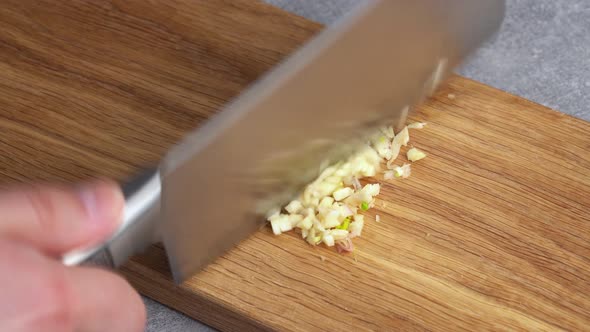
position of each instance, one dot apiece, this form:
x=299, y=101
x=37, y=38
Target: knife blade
x=212, y=189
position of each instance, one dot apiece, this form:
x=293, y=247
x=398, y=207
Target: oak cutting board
x=491, y=231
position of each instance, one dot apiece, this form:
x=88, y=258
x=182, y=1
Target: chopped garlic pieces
x=416, y=125
x=294, y=207
x=403, y=137
x=415, y=155
x=356, y=228
x=280, y=223
x=328, y=209
x=339, y=234
x=388, y=131
x=402, y=171
x=388, y=175
x=328, y=240
x=341, y=194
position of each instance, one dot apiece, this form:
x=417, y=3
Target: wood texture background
x=491, y=232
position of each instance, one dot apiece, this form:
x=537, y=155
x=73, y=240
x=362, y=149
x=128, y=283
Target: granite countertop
x=542, y=53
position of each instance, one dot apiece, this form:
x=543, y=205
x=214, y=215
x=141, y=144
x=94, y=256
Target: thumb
x=57, y=219
x=41, y=294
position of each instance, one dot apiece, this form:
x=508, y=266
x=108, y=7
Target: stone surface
x=542, y=53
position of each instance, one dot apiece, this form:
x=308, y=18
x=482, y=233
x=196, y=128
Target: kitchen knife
x=213, y=189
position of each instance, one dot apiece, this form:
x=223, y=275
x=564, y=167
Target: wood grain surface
x=491, y=232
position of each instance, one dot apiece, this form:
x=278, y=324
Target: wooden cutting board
x=491, y=231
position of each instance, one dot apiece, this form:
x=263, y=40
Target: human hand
x=37, y=292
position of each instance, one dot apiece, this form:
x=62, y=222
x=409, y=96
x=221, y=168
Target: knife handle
x=137, y=231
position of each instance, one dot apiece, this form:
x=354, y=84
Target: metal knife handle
x=137, y=231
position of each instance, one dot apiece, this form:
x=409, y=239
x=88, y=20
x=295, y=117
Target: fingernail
x=101, y=204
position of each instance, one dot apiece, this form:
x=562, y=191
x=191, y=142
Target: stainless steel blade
x=310, y=111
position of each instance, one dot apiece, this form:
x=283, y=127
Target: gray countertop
x=542, y=53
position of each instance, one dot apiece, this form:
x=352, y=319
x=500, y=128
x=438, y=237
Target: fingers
x=58, y=219
x=40, y=294
x=103, y=301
